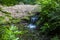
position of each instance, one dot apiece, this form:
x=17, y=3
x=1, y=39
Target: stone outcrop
x=21, y=10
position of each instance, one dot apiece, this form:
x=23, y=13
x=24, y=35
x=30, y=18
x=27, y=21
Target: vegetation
x=14, y=2
x=48, y=22
x=9, y=2
x=7, y=28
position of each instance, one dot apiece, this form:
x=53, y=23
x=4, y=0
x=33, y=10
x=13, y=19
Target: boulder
x=21, y=10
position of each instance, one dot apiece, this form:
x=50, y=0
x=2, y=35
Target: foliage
x=9, y=2
x=55, y=38
x=13, y=2
x=8, y=34
x=28, y=1
x=49, y=18
x=8, y=31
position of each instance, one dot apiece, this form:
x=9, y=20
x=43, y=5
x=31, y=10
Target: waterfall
x=32, y=24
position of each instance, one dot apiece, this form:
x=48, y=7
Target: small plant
x=9, y=33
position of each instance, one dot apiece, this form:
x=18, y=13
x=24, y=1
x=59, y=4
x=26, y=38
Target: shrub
x=49, y=18
x=9, y=2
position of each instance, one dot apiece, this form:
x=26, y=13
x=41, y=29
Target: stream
x=32, y=24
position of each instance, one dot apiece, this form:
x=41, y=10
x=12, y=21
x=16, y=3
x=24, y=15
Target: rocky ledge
x=21, y=10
